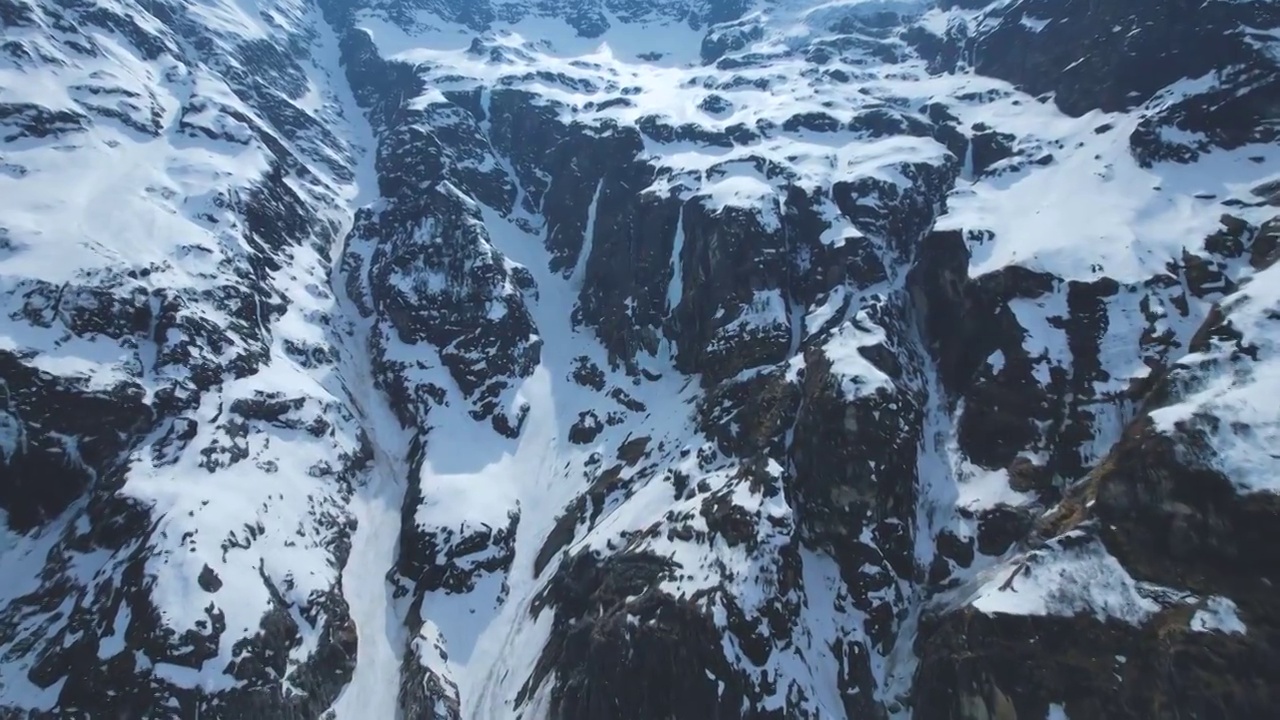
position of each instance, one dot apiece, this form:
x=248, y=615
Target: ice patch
x=588, y=239
x=1035, y=25
x=1218, y=615
x=11, y=435
x=675, y=287
x=996, y=362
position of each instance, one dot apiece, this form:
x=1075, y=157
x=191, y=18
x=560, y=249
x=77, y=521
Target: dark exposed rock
x=1129, y=51
x=209, y=580
x=750, y=418
x=440, y=234
x=61, y=438
x=1265, y=250
x=952, y=552
x=853, y=469
x=882, y=209
x=422, y=691
x=622, y=648
x=813, y=122
x=1169, y=524
x=587, y=428
x=1172, y=520
x=28, y=120
x=715, y=105
x=1001, y=527
x=733, y=312
x=955, y=314
x=990, y=147
x=1089, y=668
x=624, y=289
x=588, y=374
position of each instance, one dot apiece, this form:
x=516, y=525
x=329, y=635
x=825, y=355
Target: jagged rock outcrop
x=1187, y=593
x=612, y=625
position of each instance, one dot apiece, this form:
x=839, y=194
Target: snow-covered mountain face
x=590, y=359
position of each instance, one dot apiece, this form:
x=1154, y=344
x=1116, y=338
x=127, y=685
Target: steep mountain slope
x=607, y=359
x=179, y=448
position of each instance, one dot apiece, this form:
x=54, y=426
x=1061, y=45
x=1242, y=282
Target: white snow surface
x=1093, y=194
x=1081, y=579
x=1218, y=614
x=108, y=206
x=376, y=506
x=1243, y=438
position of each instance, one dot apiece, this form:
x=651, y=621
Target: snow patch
x=1075, y=575
x=859, y=376
x=982, y=489
x=1245, y=428
x=1218, y=614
